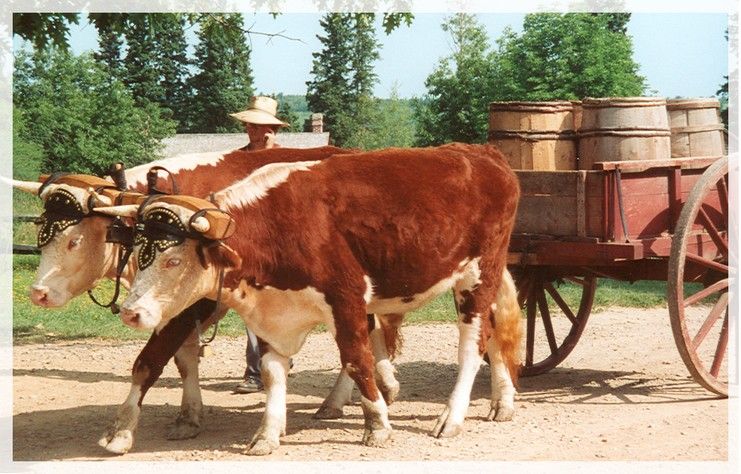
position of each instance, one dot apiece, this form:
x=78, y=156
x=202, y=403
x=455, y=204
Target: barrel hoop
x=699, y=128
x=692, y=104
x=624, y=133
x=626, y=102
x=531, y=137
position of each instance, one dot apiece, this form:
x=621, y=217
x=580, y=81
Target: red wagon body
x=627, y=220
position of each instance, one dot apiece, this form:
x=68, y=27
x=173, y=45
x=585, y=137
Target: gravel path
x=623, y=394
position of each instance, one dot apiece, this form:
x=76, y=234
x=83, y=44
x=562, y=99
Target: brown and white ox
x=78, y=256
x=330, y=241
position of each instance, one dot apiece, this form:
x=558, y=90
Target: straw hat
x=260, y=111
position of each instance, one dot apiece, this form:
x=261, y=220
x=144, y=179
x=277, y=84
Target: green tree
x=459, y=90
x=142, y=75
x=287, y=114
x=390, y=123
x=27, y=155
x=567, y=56
x=342, y=71
x=110, y=46
x=556, y=57
x=224, y=82
x=81, y=119
x=172, y=63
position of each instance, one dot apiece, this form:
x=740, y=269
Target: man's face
x=257, y=134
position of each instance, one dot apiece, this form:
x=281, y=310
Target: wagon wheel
x=699, y=253
x=555, y=342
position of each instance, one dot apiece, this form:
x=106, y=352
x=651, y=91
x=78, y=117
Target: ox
x=77, y=255
x=330, y=241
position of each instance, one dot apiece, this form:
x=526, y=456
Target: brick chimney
x=317, y=123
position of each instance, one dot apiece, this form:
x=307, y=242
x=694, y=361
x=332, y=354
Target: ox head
x=179, y=256
x=72, y=239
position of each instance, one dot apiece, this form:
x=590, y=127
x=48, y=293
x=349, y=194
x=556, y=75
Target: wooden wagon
x=627, y=220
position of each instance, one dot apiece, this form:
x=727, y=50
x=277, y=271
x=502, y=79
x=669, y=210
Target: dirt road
x=623, y=394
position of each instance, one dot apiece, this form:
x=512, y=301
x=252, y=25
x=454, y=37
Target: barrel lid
x=524, y=106
x=695, y=103
x=622, y=101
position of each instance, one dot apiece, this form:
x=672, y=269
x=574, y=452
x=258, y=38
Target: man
x=261, y=125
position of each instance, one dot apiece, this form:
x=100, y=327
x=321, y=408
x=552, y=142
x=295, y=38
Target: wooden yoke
x=221, y=224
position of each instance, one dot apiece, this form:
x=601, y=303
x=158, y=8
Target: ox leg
x=379, y=338
x=188, y=423
x=274, y=373
x=341, y=395
x=147, y=368
x=474, y=295
x=357, y=359
x=503, y=349
x=384, y=332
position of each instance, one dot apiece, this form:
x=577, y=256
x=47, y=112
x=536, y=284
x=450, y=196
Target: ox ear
x=223, y=256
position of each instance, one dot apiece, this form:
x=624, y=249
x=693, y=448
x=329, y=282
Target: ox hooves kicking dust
x=118, y=442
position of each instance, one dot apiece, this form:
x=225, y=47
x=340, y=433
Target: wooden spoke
x=715, y=313
x=705, y=292
x=559, y=334
x=692, y=321
x=547, y=323
x=723, y=196
x=718, y=239
x=720, y=350
x=530, y=325
x=560, y=302
x=706, y=262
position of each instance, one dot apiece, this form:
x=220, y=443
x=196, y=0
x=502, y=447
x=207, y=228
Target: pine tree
x=172, y=63
x=224, y=82
x=141, y=75
x=109, y=55
x=343, y=73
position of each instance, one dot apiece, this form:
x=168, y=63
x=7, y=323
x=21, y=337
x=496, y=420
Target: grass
x=81, y=318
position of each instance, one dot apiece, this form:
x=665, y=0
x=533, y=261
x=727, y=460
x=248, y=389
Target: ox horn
x=27, y=186
x=200, y=224
x=101, y=200
x=127, y=210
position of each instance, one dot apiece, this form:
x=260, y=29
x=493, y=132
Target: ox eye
x=74, y=243
x=173, y=262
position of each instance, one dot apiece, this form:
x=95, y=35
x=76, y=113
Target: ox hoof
x=261, y=447
x=183, y=429
x=390, y=393
x=118, y=443
x=328, y=412
x=501, y=413
x=445, y=427
x=376, y=438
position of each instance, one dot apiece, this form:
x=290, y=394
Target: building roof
x=197, y=142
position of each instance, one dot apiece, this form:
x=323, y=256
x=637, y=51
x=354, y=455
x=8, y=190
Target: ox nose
x=130, y=317
x=40, y=295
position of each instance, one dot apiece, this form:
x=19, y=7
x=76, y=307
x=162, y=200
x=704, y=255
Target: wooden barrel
x=534, y=135
x=622, y=129
x=696, y=128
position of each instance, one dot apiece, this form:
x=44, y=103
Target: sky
x=680, y=54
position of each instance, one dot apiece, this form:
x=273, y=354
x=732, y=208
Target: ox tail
x=391, y=328
x=508, y=325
